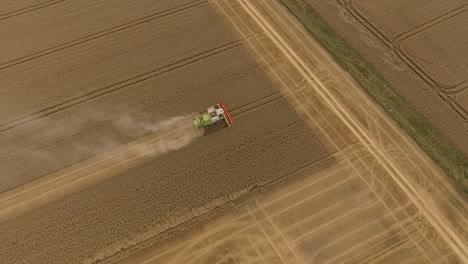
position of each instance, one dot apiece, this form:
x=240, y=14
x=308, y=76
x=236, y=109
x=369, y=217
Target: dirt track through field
x=406, y=209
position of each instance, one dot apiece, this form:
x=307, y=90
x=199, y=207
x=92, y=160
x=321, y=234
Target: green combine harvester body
x=214, y=115
x=203, y=120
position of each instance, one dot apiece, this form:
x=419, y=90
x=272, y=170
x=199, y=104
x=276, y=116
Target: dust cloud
x=160, y=137
x=163, y=136
x=142, y=134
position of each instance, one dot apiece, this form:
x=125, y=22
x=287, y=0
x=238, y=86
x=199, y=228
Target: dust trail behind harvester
x=164, y=136
x=157, y=139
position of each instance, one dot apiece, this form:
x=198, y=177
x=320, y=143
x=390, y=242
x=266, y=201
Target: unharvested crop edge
x=446, y=155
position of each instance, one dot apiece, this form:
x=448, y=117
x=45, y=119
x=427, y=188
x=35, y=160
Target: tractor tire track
x=29, y=9
x=349, y=6
x=248, y=107
x=117, y=86
x=459, y=108
x=101, y=34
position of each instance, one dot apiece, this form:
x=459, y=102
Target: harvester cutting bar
x=227, y=114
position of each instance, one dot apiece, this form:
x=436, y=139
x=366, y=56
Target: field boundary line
x=117, y=86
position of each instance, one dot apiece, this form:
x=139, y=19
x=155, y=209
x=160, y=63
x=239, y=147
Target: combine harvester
x=213, y=119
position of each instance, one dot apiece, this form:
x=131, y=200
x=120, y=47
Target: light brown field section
x=385, y=201
x=63, y=107
x=418, y=46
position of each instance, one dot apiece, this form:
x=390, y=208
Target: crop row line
x=100, y=34
x=29, y=9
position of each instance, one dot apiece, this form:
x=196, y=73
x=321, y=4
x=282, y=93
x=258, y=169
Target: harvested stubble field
x=419, y=47
x=83, y=78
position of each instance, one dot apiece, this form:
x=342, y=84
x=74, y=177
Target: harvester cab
x=215, y=116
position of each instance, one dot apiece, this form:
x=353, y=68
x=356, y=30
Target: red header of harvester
x=226, y=113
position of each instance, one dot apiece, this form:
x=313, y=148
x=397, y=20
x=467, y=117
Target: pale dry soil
x=72, y=71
